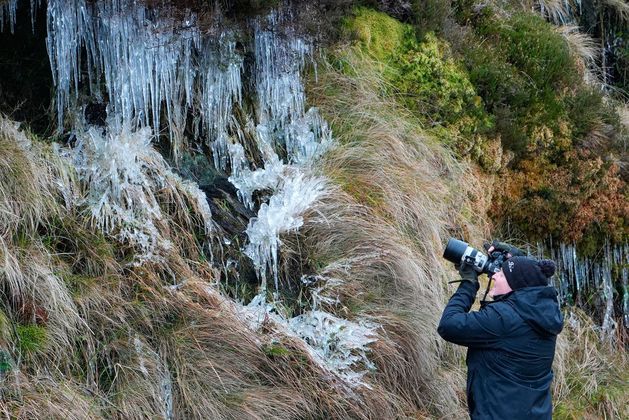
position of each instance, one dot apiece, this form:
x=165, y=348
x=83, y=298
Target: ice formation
x=7, y=14
x=148, y=64
x=154, y=71
x=165, y=396
x=123, y=172
x=577, y=277
x=338, y=345
x=281, y=214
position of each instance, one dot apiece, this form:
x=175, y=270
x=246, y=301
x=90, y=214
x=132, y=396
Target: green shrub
x=534, y=47
x=523, y=70
x=587, y=110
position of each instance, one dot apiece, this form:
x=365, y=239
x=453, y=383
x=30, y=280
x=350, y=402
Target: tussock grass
x=26, y=194
x=88, y=334
x=621, y=7
x=398, y=197
x=43, y=396
x=557, y=11
x=586, y=52
x=591, y=377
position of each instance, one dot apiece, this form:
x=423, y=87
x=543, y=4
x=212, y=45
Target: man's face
x=500, y=285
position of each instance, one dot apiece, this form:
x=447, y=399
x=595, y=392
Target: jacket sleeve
x=482, y=329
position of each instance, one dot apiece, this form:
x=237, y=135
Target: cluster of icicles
x=578, y=278
x=147, y=65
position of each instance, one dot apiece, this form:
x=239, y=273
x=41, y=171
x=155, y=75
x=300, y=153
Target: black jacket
x=511, y=345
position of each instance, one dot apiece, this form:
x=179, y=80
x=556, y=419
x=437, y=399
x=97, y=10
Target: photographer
x=510, y=340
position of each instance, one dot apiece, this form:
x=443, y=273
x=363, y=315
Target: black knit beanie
x=527, y=272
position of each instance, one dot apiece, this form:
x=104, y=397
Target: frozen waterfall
x=161, y=72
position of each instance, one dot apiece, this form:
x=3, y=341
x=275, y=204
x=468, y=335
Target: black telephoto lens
x=454, y=250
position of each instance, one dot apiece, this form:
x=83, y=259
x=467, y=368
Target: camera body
x=460, y=252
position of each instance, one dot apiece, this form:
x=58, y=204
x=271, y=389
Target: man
x=510, y=341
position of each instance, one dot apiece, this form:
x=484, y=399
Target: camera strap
x=484, y=300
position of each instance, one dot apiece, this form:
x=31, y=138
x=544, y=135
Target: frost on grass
x=153, y=66
x=283, y=123
x=122, y=174
x=337, y=345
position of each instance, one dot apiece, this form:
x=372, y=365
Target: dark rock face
x=25, y=77
x=228, y=212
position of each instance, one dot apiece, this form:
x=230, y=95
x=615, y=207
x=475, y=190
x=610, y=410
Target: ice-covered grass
x=151, y=65
x=122, y=175
x=282, y=214
x=339, y=346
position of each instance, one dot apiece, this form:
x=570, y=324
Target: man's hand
x=468, y=273
x=511, y=250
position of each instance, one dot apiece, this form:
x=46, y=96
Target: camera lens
x=455, y=250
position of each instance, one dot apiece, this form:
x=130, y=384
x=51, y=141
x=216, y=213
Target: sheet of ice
x=337, y=345
x=280, y=56
x=342, y=344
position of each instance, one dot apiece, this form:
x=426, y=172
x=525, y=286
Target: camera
x=460, y=252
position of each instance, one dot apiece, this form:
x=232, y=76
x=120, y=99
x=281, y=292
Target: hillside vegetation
x=128, y=291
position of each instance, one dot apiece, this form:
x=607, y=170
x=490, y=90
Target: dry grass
x=398, y=198
x=620, y=6
x=25, y=186
x=153, y=340
x=591, y=378
x=115, y=340
x=558, y=11
x=586, y=51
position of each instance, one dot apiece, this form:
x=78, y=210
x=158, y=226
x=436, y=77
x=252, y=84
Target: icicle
x=166, y=386
x=8, y=11
x=577, y=278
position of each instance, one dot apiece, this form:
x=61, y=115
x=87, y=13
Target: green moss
x=31, y=338
x=431, y=82
x=377, y=33
x=425, y=77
